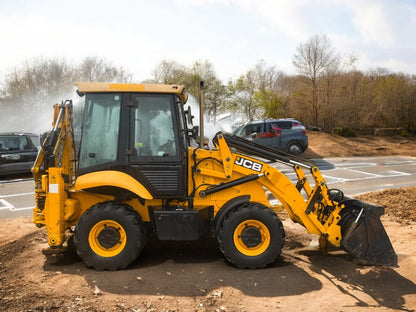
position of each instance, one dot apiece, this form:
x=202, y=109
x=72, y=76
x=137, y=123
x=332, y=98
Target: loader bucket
x=363, y=234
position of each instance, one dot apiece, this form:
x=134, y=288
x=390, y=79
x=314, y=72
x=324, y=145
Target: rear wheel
x=109, y=236
x=294, y=148
x=251, y=236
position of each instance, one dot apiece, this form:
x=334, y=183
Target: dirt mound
x=329, y=145
x=399, y=204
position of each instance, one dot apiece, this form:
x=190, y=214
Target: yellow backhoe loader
x=138, y=171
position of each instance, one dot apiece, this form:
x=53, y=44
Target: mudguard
x=112, y=178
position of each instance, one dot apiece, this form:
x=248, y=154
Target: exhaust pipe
x=201, y=114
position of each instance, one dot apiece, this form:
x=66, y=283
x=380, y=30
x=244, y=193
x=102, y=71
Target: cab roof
x=98, y=87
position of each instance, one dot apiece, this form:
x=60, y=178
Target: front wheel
x=251, y=236
x=109, y=236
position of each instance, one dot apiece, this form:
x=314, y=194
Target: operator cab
x=137, y=129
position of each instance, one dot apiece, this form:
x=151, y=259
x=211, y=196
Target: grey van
x=288, y=135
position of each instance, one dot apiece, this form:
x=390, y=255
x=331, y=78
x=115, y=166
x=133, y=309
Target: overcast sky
x=231, y=34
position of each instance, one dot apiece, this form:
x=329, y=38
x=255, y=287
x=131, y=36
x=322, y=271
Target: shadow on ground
x=190, y=269
x=198, y=268
x=383, y=284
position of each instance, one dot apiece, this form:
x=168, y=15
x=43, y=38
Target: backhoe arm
x=53, y=172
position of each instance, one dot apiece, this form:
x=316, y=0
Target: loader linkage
x=362, y=233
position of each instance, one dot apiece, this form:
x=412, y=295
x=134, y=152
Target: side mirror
x=188, y=115
x=193, y=132
x=253, y=135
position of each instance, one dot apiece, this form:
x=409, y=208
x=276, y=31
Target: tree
x=99, y=70
x=268, y=95
x=243, y=91
x=256, y=93
x=272, y=104
x=312, y=60
x=30, y=91
x=171, y=72
x=39, y=83
x=42, y=80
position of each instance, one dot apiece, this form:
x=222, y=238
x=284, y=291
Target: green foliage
x=272, y=104
x=171, y=72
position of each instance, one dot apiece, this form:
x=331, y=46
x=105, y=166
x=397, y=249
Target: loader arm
x=305, y=211
x=343, y=222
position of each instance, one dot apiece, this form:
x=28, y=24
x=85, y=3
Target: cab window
x=154, y=133
x=100, y=129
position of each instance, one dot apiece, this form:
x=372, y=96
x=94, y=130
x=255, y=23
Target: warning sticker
x=53, y=188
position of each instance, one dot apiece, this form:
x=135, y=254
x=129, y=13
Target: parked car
x=18, y=152
x=285, y=134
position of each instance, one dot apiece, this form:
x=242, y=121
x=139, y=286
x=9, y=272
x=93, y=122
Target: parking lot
x=16, y=196
x=357, y=175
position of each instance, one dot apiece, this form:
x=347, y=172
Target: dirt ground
x=328, y=145
x=193, y=276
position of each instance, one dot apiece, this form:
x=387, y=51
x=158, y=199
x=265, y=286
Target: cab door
x=100, y=142
x=156, y=154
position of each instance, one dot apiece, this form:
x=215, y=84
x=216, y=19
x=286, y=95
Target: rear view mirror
x=193, y=132
x=189, y=117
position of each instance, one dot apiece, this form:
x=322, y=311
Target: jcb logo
x=249, y=164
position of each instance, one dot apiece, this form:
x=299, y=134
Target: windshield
x=100, y=129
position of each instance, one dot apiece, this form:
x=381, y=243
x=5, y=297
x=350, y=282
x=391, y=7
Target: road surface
x=351, y=175
x=356, y=175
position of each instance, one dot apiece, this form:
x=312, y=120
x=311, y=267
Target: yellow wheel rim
x=107, y=238
x=251, y=238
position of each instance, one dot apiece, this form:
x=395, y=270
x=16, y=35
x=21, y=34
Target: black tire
x=294, y=148
x=251, y=236
x=109, y=236
x=71, y=249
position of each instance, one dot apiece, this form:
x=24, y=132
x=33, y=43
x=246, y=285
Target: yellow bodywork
x=89, y=87
x=113, y=178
